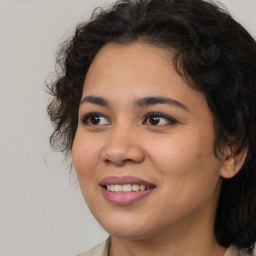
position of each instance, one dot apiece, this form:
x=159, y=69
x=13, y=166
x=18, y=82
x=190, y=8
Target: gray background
x=41, y=212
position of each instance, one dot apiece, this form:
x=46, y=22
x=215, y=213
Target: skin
x=177, y=218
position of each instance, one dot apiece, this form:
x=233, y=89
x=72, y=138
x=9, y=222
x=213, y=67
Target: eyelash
x=160, y=115
x=170, y=121
x=85, y=119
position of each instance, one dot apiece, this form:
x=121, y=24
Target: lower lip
x=124, y=198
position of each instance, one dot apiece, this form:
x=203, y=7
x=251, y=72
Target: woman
x=156, y=100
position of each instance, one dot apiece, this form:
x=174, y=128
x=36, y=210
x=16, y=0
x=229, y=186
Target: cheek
x=188, y=172
x=176, y=149
x=187, y=158
x=84, y=155
x=84, y=158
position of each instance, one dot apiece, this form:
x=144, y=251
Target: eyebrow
x=95, y=100
x=143, y=102
x=149, y=101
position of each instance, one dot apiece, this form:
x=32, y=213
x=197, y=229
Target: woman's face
x=142, y=128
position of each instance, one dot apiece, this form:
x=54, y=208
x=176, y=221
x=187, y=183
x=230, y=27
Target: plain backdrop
x=41, y=209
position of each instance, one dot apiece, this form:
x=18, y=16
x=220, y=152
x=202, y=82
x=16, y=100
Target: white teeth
x=135, y=187
x=126, y=188
x=118, y=188
x=142, y=187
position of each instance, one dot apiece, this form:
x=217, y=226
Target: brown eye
x=95, y=119
x=154, y=120
x=158, y=119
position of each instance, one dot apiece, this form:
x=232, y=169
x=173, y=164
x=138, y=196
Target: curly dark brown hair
x=217, y=57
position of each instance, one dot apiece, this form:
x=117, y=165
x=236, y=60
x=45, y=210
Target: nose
x=122, y=146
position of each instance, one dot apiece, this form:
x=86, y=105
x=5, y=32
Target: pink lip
x=125, y=198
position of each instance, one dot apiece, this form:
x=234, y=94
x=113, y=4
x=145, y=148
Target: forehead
x=135, y=50
x=121, y=64
x=137, y=70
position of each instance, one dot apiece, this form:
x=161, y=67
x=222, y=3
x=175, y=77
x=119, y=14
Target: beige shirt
x=102, y=250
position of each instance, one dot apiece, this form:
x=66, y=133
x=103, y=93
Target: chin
x=125, y=226
x=130, y=233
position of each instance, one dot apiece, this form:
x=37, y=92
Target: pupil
x=154, y=120
x=95, y=120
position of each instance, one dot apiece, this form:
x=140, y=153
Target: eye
x=95, y=119
x=158, y=119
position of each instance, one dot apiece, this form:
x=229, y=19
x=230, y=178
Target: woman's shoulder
x=233, y=251
x=98, y=250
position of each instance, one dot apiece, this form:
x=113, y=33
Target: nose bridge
x=122, y=145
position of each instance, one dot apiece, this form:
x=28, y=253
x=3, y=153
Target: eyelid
x=170, y=119
x=84, y=118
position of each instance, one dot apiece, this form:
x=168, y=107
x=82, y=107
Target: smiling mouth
x=126, y=188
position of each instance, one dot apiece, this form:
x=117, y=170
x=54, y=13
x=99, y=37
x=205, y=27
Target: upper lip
x=124, y=180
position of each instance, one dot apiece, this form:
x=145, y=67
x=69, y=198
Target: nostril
x=120, y=154
x=107, y=161
x=118, y=161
